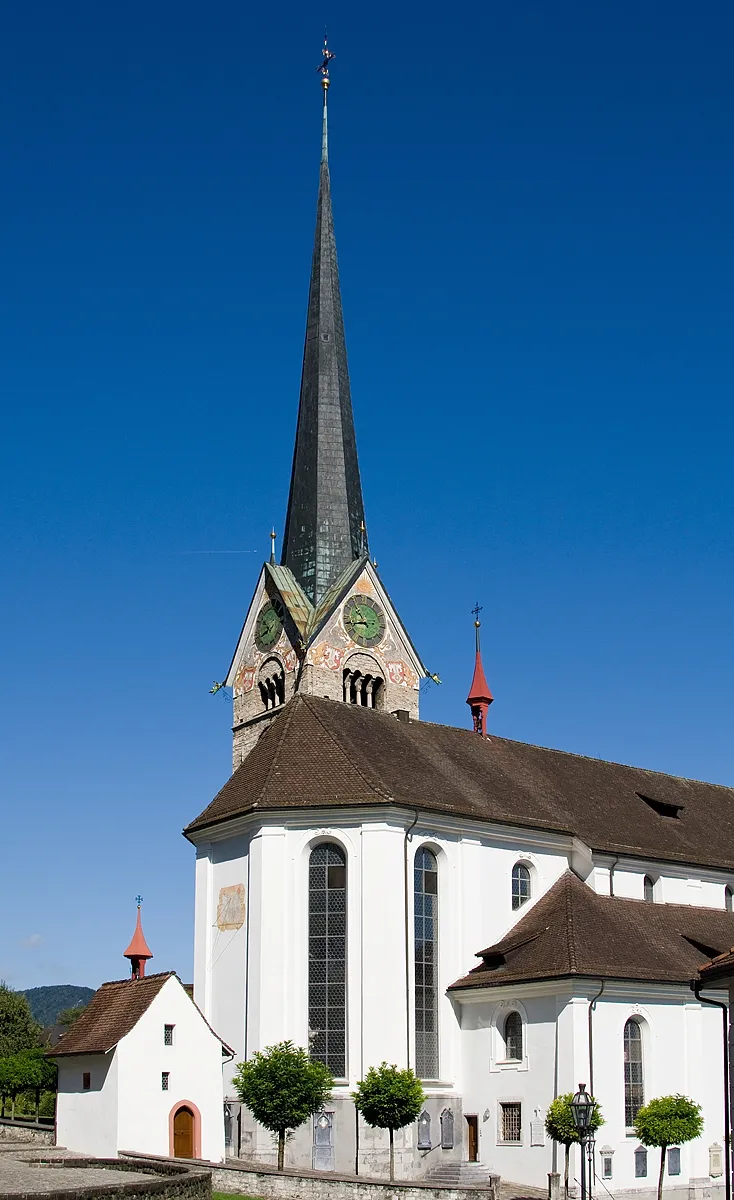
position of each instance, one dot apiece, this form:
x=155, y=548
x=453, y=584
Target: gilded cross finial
x=273, y=536
x=323, y=67
x=138, y=900
x=475, y=613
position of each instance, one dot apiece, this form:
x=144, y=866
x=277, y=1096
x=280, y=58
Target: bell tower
x=321, y=621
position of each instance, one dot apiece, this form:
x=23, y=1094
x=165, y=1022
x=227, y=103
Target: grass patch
x=232, y=1196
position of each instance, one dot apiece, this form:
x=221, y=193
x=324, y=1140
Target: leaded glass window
x=327, y=957
x=634, y=1091
x=520, y=885
x=425, y=899
x=513, y=1036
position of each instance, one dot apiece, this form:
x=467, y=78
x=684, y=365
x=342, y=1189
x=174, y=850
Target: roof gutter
x=696, y=985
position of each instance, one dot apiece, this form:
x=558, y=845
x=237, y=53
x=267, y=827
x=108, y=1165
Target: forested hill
x=47, y=1002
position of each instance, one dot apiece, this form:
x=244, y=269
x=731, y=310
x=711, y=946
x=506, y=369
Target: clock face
x=364, y=620
x=269, y=624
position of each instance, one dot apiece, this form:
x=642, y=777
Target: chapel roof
x=320, y=753
x=113, y=1011
x=572, y=931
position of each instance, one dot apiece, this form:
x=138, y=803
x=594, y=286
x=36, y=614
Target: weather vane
x=323, y=66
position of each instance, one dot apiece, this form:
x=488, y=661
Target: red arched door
x=183, y=1133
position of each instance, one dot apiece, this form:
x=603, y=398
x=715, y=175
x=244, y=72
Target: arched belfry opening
x=271, y=683
x=363, y=681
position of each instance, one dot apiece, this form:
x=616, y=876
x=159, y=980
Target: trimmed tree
x=560, y=1127
x=389, y=1098
x=282, y=1087
x=668, y=1121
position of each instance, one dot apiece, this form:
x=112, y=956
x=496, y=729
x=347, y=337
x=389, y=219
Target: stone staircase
x=459, y=1174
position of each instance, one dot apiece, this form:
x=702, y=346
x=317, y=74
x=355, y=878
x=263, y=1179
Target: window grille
x=728, y=899
x=327, y=957
x=424, y=1131
x=520, y=885
x=168, y=1035
x=86, y=1081
x=164, y=1080
x=634, y=1091
x=649, y=888
x=511, y=1121
x=425, y=919
x=513, y=1037
x=640, y=1164
x=447, y=1129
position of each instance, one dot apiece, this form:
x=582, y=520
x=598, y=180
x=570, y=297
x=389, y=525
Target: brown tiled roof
x=720, y=966
x=115, y=1008
x=319, y=753
x=572, y=931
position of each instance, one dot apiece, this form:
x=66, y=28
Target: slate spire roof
x=324, y=528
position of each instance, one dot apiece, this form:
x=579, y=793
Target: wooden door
x=183, y=1133
x=472, y=1129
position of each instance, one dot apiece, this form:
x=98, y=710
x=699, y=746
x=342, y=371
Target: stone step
x=459, y=1173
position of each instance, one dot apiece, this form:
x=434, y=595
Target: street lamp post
x=582, y=1107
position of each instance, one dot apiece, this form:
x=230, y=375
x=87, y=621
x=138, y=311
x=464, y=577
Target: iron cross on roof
x=138, y=900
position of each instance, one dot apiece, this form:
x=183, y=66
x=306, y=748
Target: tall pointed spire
x=480, y=697
x=325, y=518
x=138, y=951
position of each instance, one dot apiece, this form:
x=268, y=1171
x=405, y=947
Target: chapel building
x=506, y=919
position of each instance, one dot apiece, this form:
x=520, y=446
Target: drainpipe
x=611, y=891
x=592, y=1006
x=697, y=985
x=408, y=832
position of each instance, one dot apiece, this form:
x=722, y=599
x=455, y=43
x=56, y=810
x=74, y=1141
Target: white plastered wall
x=86, y=1120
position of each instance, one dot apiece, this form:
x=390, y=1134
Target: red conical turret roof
x=138, y=950
x=480, y=697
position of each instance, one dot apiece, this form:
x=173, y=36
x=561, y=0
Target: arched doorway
x=183, y=1133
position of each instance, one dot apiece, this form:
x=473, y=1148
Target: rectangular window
x=168, y=1035
x=640, y=1164
x=606, y=1166
x=674, y=1160
x=86, y=1081
x=164, y=1080
x=510, y=1121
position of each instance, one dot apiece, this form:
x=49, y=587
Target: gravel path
x=22, y=1171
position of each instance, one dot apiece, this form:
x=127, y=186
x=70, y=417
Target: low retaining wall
x=167, y=1181
x=256, y=1179
x=26, y=1131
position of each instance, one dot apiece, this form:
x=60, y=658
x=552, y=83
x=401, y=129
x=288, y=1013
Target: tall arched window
x=728, y=899
x=520, y=885
x=648, y=887
x=513, y=1037
x=425, y=899
x=634, y=1083
x=327, y=957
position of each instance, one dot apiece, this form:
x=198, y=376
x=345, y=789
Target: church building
x=506, y=920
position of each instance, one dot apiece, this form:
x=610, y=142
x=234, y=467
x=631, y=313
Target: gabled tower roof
x=324, y=528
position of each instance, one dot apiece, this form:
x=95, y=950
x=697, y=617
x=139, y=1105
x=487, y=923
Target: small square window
x=164, y=1080
x=86, y=1081
x=511, y=1121
x=674, y=1160
x=168, y=1035
x=606, y=1166
x=640, y=1164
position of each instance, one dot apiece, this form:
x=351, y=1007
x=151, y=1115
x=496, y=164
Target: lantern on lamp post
x=582, y=1107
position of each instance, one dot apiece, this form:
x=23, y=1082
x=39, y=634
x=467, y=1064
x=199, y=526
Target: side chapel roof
x=320, y=753
x=573, y=931
x=113, y=1011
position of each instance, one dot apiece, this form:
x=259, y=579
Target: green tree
x=27, y=1071
x=70, y=1016
x=389, y=1098
x=18, y=1030
x=668, y=1121
x=282, y=1087
x=560, y=1127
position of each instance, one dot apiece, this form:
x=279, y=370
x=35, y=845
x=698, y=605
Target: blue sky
x=533, y=212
